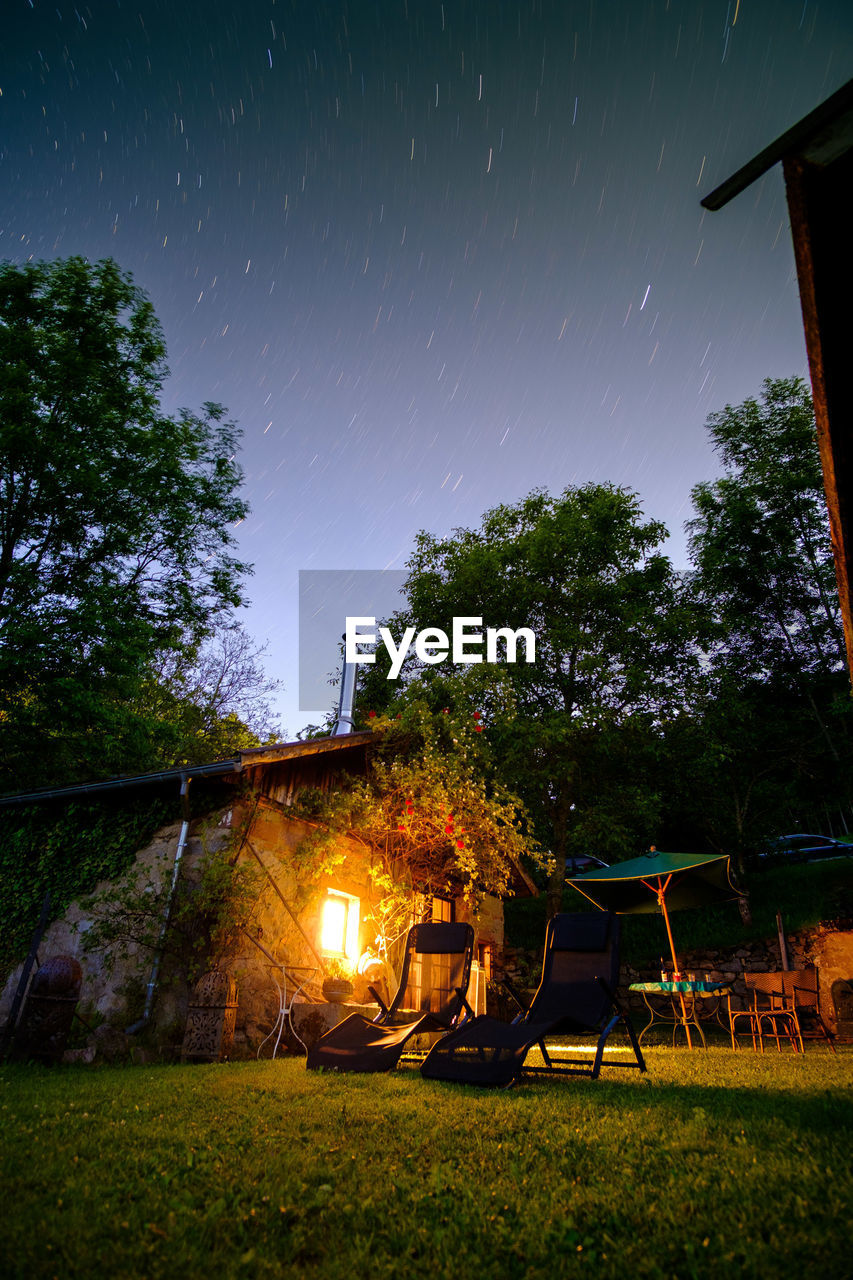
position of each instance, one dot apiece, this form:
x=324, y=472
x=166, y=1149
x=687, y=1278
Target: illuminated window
x=442, y=909
x=339, y=925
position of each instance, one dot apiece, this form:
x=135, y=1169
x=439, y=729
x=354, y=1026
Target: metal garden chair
x=769, y=1014
x=802, y=988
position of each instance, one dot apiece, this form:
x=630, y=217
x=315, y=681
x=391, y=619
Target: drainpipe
x=158, y=954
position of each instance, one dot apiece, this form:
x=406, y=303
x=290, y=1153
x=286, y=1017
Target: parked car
x=583, y=862
x=805, y=848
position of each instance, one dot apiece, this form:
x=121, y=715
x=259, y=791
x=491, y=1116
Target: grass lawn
x=713, y=1164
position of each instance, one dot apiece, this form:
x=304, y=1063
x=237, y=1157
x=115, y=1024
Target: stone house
x=300, y=928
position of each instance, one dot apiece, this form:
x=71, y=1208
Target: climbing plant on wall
x=197, y=925
x=430, y=811
x=64, y=849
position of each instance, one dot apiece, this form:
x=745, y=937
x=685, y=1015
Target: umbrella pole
x=665, y=914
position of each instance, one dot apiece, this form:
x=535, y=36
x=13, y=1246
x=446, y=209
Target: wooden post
x=819, y=205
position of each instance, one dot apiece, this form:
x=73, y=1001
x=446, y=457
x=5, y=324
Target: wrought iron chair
x=802, y=988
x=580, y=970
x=769, y=1013
x=432, y=996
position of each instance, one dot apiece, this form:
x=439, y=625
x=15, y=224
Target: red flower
x=448, y=830
x=460, y=844
x=478, y=728
x=477, y=715
x=401, y=827
x=446, y=711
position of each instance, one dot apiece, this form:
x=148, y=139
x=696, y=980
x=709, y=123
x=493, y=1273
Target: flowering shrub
x=431, y=812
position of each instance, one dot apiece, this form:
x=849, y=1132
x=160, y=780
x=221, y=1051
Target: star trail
x=429, y=256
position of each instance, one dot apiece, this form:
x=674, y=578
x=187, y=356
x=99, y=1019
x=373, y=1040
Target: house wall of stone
x=277, y=957
x=114, y=980
x=282, y=956
x=272, y=842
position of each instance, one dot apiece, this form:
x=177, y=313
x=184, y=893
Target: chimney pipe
x=345, y=707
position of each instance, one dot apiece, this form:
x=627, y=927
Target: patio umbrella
x=659, y=881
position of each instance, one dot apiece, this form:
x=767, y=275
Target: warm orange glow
x=370, y=966
x=339, y=925
x=333, y=933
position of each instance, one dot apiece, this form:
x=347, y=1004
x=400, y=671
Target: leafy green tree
x=760, y=540
x=770, y=728
x=747, y=763
x=576, y=733
x=116, y=543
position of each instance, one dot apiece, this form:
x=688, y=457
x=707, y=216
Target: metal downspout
x=158, y=954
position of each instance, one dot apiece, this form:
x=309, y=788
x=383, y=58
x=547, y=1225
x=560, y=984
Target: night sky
x=429, y=256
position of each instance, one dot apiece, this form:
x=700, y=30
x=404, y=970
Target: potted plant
x=337, y=984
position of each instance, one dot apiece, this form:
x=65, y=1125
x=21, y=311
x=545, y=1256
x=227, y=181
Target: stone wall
x=114, y=983
x=281, y=944
x=830, y=950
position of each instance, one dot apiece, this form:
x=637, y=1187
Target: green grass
x=807, y=894
x=713, y=1164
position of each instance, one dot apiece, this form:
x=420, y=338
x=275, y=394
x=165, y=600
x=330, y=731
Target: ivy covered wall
x=65, y=846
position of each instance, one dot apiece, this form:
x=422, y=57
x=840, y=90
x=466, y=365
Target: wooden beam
x=819, y=203
x=298, y=750
x=821, y=137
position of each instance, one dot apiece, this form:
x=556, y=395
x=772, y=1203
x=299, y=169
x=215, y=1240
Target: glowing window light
x=333, y=934
x=339, y=925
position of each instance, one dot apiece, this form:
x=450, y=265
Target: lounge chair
x=580, y=971
x=432, y=996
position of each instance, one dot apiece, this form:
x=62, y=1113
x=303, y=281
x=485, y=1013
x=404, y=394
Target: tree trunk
x=557, y=878
x=556, y=881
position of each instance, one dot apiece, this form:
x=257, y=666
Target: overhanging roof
x=820, y=137
x=310, y=747
x=817, y=160
x=241, y=761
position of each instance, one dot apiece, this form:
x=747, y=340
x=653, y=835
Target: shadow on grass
x=822, y=1113
x=810, y=1094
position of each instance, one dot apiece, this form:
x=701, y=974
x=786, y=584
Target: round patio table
x=681, y=1005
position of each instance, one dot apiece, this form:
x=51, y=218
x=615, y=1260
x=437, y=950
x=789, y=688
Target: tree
x=760, y=538
x=577, y=732
x=211, y=702
x=771, y=725
x=745, y=763
x=116, y=542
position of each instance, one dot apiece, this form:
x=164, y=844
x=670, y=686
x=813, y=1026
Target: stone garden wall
x=830, y=950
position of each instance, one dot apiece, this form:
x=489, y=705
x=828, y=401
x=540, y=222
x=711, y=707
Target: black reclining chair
x=576, y=995
x=431, y=997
